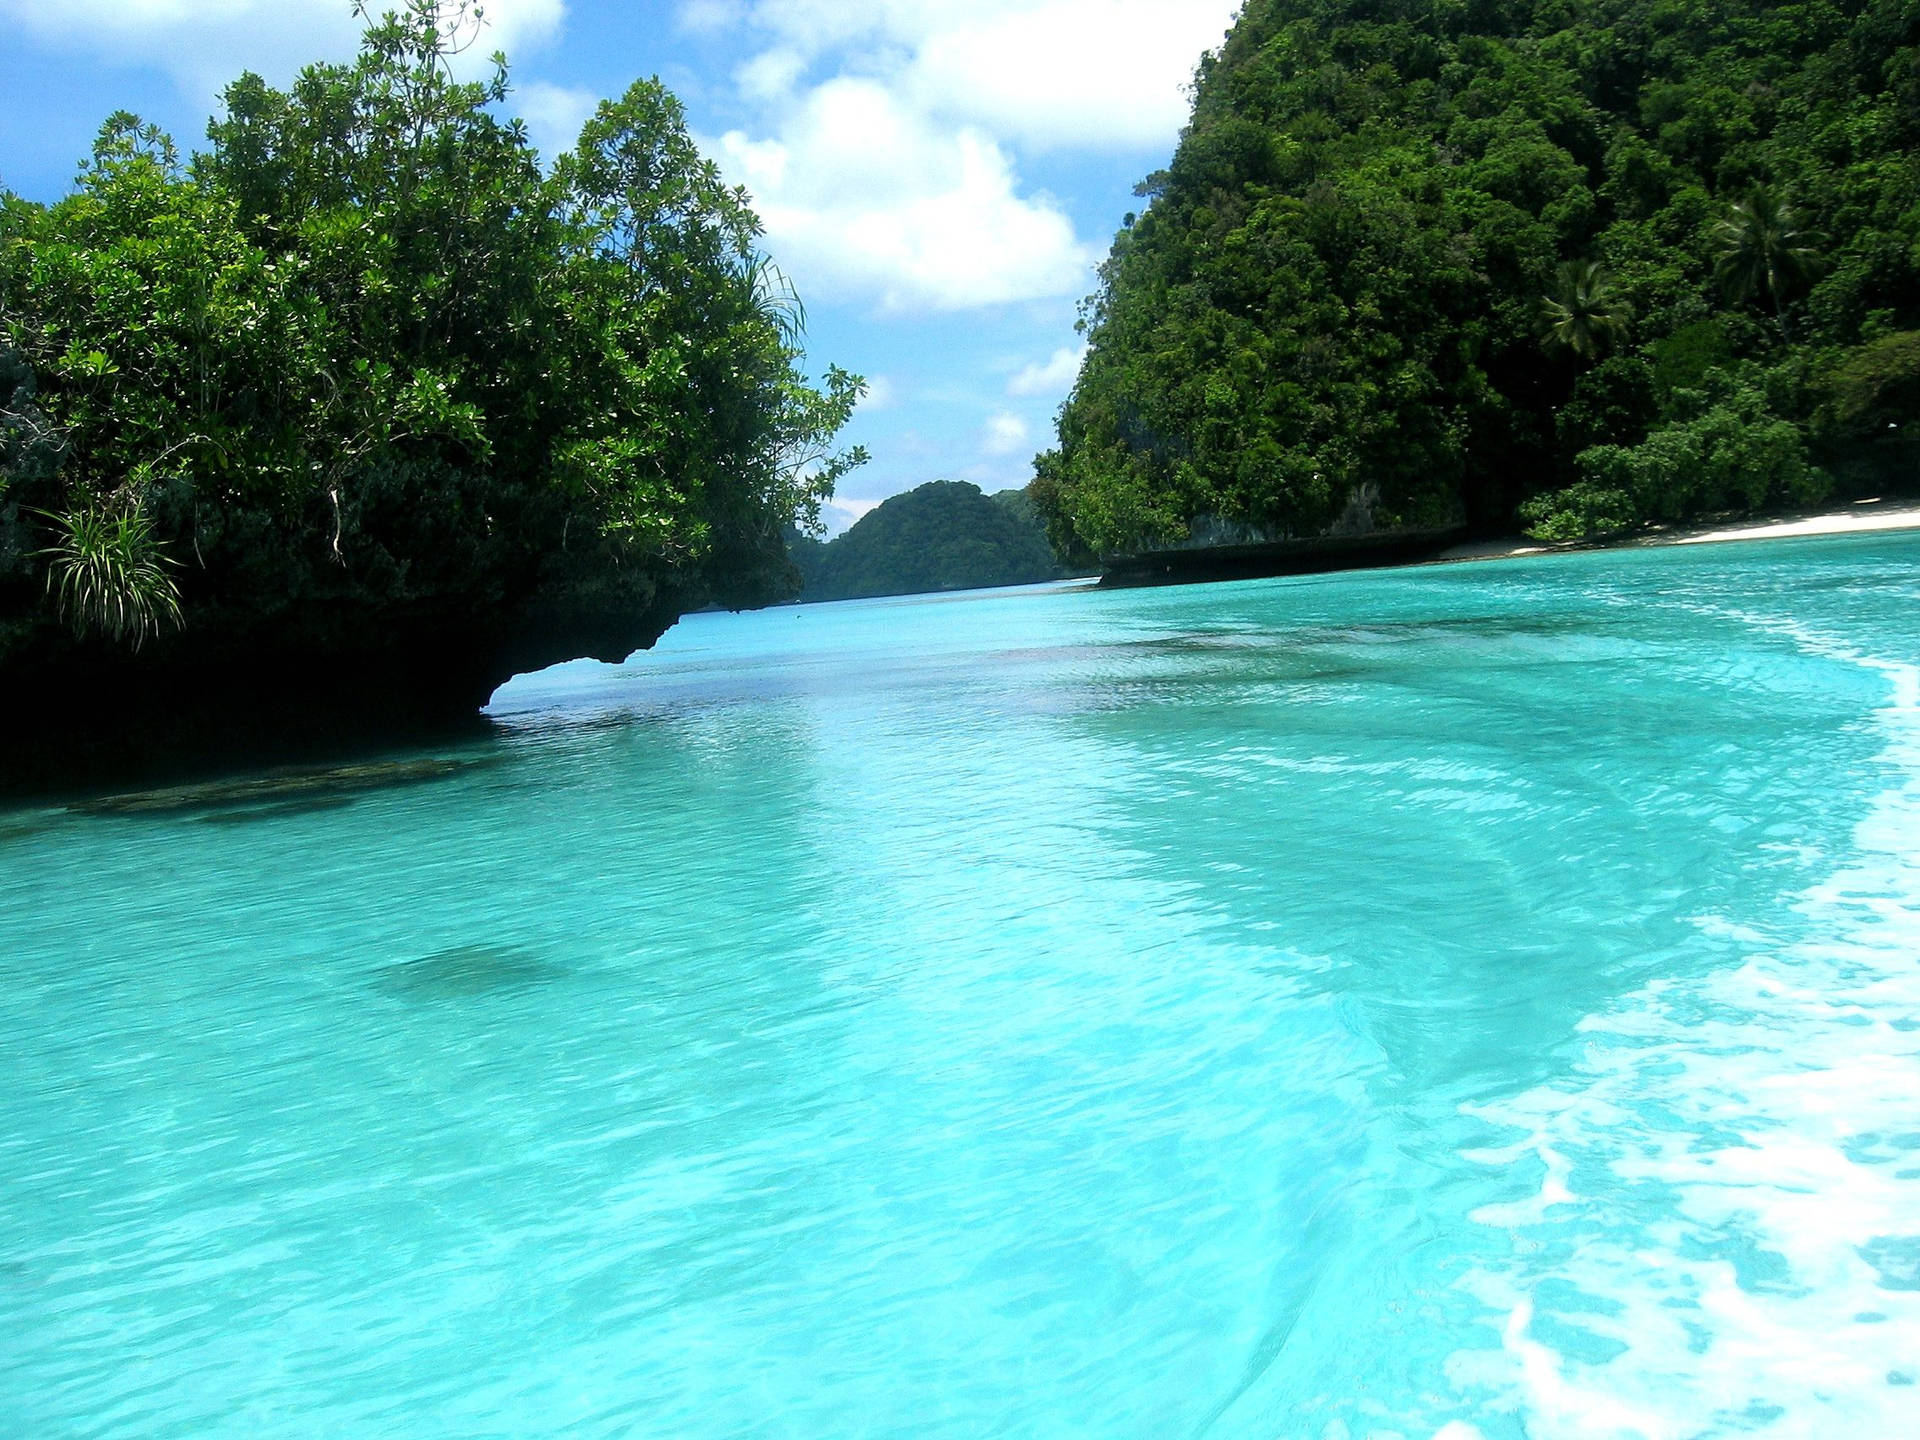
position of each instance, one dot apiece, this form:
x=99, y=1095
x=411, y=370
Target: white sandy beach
x=1865, y=516
x=1860, y=518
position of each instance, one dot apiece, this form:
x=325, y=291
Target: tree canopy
x=366, y=372
x=1499, y=258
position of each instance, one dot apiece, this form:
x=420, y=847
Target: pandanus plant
x=109, y=572
x=1583, y=316
x=771, y=297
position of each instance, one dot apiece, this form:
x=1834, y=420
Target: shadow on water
x=25, y=826
x=254, y=814
x=281, y=793
x=468, y=972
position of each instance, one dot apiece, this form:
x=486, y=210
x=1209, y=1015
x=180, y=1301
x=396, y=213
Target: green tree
x=1583, y=317
x=366, y=382
x=1766, y=249
x=688, y=457
x=1728, y=447
x=1873, y=393
x=1335, y=287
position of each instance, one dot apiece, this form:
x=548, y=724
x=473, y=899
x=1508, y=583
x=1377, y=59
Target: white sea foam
x=1727, y=1237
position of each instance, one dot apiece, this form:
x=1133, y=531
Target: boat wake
x=1727, y=1239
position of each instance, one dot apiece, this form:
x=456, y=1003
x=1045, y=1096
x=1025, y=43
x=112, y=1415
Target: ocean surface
x=1473, y=1002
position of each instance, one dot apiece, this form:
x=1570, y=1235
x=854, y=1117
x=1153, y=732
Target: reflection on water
x=1464, y=1002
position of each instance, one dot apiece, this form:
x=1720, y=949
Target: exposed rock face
x=1259, y=560
x=286, y=650
x=1217, y=549
x=312, y=679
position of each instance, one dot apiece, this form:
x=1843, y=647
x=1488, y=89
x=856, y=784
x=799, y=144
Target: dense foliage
x=945, y=535
x=1584, y=263
x=367, y=374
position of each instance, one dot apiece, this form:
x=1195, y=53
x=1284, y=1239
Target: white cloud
x=882, y=394
x=554, y=115
x=1054, y=377
x=1108, y=74
x=1103, y=74
x=1005, y=433
x=712, y=17
x=863, y=197
x=204, y=44
x=895, y=180
x=770, y=76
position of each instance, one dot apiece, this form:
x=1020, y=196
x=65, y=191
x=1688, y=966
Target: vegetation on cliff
x=1582, y=265
x=366, y=390
x=944, y=535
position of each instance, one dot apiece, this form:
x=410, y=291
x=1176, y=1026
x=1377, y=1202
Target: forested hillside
x=1567, y=265
x=944, y=535
x=365, y=408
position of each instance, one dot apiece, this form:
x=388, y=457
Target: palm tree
x=1765, y=248
x=1583, y=315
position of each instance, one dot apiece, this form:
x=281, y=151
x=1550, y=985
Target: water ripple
x=1468, y=1003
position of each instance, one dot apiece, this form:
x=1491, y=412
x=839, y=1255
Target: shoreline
x=369, y=754
x=1862, y=517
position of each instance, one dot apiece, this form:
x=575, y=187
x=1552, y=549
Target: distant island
x=1562, y=268
x=944, y=535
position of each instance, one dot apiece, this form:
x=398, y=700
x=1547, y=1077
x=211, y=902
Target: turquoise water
x=1480, y=1001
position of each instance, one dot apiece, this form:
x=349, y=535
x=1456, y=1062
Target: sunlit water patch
x=1467, y=1002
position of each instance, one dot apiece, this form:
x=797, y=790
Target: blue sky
x=938, y=177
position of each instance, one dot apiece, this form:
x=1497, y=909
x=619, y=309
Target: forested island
x=944, y=535
x=363, y=409
x=1571, y=268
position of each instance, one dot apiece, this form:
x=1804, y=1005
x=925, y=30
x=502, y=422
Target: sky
x=939, y=178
